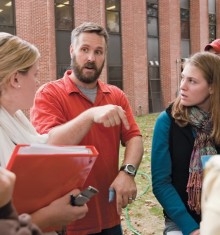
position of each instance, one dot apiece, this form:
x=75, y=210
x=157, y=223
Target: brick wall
x=199, y=25
x=35, y=23
x=134, y=54
x=169, y=31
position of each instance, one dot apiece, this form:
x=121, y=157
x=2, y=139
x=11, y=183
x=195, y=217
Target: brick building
x=148, y=40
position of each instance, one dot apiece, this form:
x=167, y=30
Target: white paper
x=51, y=149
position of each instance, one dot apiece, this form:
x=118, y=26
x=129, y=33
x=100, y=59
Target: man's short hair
x=90, y=27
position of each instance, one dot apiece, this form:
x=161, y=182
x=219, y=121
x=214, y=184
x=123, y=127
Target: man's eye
x=99, y=52
x=84, y=49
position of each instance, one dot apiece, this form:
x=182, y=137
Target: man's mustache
x=90, y=65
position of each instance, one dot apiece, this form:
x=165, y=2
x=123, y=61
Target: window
x=154, y=88
x=185, y=28
x=113, y=16
x=115, y=52
x=184, y=23
x=152, y=30
x=212, y=20
x=212, y=27
x=113, y=22
x=7, y=21
x=64, y=15
x=64, y=25
x=152, y=19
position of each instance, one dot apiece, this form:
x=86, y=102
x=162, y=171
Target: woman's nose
x=183, y=84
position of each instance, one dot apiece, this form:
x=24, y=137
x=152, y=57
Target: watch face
x=131, y=168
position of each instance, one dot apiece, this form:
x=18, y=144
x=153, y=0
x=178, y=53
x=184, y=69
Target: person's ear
x=71, y=51
x=211, y=91
x=14, y=81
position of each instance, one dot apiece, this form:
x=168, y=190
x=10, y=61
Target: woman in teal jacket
x=188, y=129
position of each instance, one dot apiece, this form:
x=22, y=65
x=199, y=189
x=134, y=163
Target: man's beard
x=78, y=71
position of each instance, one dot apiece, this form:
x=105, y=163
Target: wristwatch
x=129, y=169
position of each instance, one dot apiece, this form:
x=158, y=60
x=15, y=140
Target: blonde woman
x=19, y=67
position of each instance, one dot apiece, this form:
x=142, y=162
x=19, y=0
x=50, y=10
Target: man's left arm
x=124, y=184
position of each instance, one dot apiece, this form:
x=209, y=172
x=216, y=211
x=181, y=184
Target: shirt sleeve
x=47, y=111
x=161, y=167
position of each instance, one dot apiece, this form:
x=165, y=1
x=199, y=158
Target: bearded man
x=103, y=118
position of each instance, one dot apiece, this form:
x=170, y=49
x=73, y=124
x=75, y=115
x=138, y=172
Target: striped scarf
x=203, y=145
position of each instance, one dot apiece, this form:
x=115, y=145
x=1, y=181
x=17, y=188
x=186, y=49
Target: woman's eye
x=192, y=81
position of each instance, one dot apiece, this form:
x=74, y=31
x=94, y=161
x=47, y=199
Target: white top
x=14, y=130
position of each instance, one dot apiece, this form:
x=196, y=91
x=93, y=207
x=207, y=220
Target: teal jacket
x=170, y=172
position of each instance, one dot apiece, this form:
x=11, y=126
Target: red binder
x=45, y=173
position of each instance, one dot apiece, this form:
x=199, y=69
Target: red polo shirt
x=60, y=101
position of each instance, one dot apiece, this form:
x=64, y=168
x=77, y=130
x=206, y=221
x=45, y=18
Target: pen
x=111, y=194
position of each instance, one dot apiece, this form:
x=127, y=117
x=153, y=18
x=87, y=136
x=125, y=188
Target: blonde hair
x=209, y=64
x=15, y=55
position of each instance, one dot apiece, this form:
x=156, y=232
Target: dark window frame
x=185, y=28
x=62, y=67
x=154, y=95
x=70, y=5
x=114, y=11
x=117, y=81
x=9, y=27
x=212, y=27
x=185, y=21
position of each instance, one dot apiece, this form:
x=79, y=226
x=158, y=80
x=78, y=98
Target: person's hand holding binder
x=60, y=212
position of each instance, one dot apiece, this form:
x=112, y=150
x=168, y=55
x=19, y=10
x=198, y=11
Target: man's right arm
x=47, y=116
x=73, y=131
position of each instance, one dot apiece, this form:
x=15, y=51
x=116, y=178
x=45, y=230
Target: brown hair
x=209, y=64
x=89, y=27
